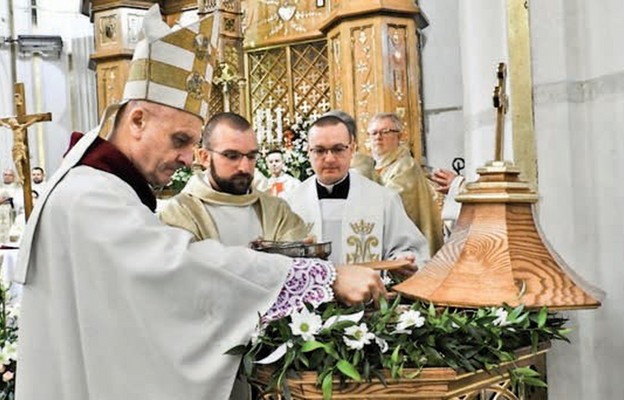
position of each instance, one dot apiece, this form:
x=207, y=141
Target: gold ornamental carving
x=289, y=81
x=270, y=22
x=363, y=56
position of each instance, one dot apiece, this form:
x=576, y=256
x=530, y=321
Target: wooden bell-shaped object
x=497, y=253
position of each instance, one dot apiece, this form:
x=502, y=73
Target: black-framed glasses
x=337, y=150
x=383, y=132
x=236, y=156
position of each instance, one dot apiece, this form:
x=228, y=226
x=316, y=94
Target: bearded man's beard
x=236, y=184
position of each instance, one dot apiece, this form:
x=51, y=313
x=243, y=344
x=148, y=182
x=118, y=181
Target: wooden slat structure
x=430, y=384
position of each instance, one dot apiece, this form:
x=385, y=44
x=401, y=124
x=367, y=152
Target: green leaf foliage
x=401, y=338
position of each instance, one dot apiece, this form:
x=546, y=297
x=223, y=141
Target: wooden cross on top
x=501, y=104
x=21, y=156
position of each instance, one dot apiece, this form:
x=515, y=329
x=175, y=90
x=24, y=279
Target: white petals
x=305, y=324
x=501, y=317
x=408, y=319
x=276, y=355
x=357, y=336
x=337, y=318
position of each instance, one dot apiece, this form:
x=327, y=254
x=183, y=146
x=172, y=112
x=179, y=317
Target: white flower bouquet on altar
x=397, y=340
x=293, y=142
x=8, y=344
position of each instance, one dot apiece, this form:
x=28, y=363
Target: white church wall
x=47, y=81
x=579, y=104
x=6, y=102
x=442, y=91
x=483, y=45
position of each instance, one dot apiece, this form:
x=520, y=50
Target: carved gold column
x=117, y=24
x=374, y=62
x=230, y=53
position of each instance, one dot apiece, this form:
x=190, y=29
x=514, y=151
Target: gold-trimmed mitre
x=174, y=67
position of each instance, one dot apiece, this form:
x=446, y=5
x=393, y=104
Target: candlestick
x=269, y=125
x=278, y=114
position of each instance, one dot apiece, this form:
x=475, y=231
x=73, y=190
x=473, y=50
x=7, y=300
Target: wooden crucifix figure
x=501, y=104
x=21, y=157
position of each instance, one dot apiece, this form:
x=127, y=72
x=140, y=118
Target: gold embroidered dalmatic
x=398, y=171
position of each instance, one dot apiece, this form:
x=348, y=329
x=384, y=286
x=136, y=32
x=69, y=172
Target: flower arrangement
x=294, y=145
x=8, y=344
x=358, y=344
x=179, y=179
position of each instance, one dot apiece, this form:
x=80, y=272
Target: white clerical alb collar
x=330, y=188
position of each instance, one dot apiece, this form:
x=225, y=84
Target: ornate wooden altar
x=287, y=59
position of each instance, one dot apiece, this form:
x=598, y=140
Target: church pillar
x=374, y=62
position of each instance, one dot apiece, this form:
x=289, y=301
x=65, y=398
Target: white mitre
x=174, y=67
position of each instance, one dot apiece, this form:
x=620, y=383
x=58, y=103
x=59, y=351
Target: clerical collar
x=338, y=190
x=104, y=156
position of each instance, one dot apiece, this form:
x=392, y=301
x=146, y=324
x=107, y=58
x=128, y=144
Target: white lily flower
x=305, y=324
x=276, y=355
x=383, y=345
x=408, y=319
x=501, y=317
x=337, y=318
x=357, y=336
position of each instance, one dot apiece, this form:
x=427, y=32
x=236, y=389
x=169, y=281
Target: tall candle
x=278, y=115
x=269, y=125
x=259, y=128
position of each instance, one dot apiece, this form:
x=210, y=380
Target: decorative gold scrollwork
x=363, y=243
x=195, y=85
x=201, y=46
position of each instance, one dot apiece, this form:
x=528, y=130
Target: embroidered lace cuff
x=309, y=281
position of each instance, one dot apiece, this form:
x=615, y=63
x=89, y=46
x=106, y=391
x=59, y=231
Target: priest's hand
x=444, y=178
x=356, y=284
x=410, y=269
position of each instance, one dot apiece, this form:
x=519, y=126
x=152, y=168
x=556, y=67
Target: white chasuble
x=373, y=224
x=113, y=286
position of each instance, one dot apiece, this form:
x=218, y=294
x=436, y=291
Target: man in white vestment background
x=117, y=305
x=38, y=180
x=221, y=203
x=280, y=183
x=363, y=220
x=11, y=191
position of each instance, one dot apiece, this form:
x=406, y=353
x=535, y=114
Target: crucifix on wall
x=21, y=156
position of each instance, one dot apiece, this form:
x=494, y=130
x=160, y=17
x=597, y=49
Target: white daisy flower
x=305, y=324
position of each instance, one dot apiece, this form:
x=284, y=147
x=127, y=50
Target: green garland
x=357, y=344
